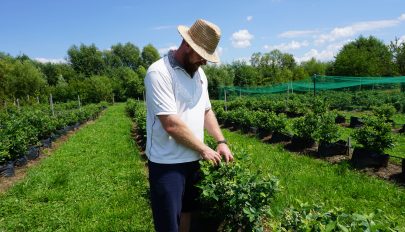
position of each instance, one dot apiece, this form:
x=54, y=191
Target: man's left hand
x=224, y=151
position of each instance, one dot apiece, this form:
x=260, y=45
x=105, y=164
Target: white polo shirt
x=172, y=91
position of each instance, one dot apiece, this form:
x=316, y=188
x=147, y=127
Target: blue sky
x=46, y=29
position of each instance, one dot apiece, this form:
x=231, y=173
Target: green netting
x=319, y=83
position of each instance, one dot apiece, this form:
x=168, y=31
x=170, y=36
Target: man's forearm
x=212, y=126
x=182, y=134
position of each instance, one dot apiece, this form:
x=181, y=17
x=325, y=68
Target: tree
x=364, y=57
x=23, y=79
x=398, y=50
x=217, y=76
x=86, y=59
x=127, y=55
x=245, y=75
x=149, y=55
x=127, y=83
x=313, y=67
x=273, y=66
x=98, y=88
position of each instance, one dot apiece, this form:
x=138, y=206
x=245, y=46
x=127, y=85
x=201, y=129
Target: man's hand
x=211, y=155
x=223, y=150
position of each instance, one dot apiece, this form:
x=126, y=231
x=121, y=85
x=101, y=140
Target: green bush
x=375, y=134
x=236, y=195
x=307, y=217
x=385, y=110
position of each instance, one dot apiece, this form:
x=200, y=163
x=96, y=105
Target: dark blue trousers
x=173, y=191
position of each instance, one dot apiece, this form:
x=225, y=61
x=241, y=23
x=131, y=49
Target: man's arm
x=211, y=125
x=176, y=128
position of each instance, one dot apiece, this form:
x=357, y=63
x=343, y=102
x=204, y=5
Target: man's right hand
x=211, y=155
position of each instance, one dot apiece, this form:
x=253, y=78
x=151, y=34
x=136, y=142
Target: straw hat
x=203, y=37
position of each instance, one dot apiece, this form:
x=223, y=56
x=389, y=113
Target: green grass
x=95, y=181
x=316, y=181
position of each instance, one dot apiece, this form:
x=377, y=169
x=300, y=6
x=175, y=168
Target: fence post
x=226, y=108
x=314, y=85
x=78, y=99
x=51, y=103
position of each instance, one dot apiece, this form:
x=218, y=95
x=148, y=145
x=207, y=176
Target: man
x=178, y=110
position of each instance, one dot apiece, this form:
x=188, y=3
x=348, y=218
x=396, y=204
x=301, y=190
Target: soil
x=21, y=172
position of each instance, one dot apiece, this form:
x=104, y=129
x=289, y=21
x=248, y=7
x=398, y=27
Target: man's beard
x=191, y=68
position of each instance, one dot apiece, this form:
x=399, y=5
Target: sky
x=45, y=29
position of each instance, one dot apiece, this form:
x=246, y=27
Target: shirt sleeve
x=159, y=94
x=207, y=101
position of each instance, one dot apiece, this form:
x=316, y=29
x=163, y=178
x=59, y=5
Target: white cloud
x=324, y=55
x=348, y=31
x=241, y=39
x=289, y=46
x=47, y=60
x=249, y=18
x=163, y=51
x=401, y=39
x=293, y=34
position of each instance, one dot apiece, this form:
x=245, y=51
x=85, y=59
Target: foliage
x=384, y=111
x=237, y=195
x=87, y=60
x=149, y=55
x=245, y=75
x=375, y=134
x=308, y=217
x=397, y=48
x=307, y=126
x=364, y=57
x=328, y=129
x=221, y=75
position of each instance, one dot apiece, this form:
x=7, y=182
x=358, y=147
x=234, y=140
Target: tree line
x=90, y=73
x=118, y=73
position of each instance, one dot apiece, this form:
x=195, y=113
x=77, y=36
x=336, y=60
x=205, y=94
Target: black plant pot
x=402, y=130
x=356, y=122
x=7, y=170
x=21, y=161
x=403, y=169
x=204, y=223
x=278, y=137
x=46, y=143
x=340, y=119
x=301, y=143
x=32, y=153
x=363, y=158
x=330, y=149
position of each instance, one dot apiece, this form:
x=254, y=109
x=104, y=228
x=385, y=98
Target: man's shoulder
x=157, y=66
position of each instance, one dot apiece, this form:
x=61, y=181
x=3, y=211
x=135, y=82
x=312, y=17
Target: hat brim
x=183, y=30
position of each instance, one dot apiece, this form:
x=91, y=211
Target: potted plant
x=375, y=137
x=306, y=129
x=328, y=133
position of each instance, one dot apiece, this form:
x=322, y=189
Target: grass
x=95, y=181
x=316, y=181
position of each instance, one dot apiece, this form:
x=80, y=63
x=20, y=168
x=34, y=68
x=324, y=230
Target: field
x=96, y=180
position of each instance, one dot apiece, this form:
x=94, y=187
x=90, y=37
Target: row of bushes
x=239, y=199
x=23, y=127
x=293, y=104
x=316, y=125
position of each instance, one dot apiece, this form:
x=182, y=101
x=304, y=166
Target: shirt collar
x=173, y=62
